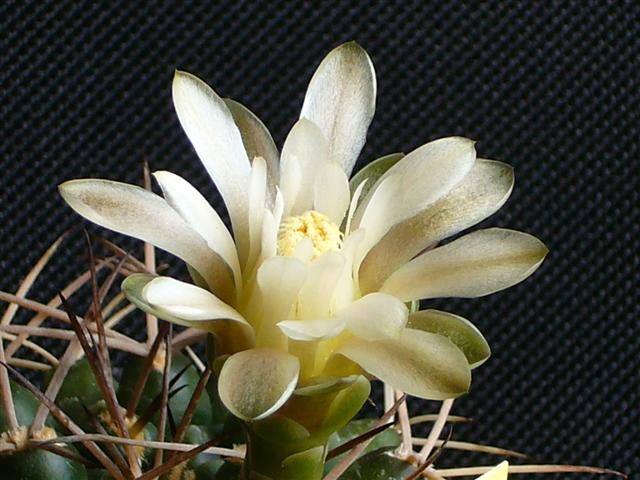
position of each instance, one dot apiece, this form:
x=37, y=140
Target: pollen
x=325, y=235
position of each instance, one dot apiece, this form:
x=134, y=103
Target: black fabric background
x=549, y=87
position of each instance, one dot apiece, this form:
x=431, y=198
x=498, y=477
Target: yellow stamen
x=324, y=234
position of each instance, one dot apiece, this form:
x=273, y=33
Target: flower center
x=325, y=235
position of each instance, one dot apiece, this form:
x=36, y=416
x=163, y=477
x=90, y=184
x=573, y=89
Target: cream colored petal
x=341, y=100
x=376, y=316
x=257, y=140
x=144, y=215
x=372, y=172
x=257, y=201
x=480, y=194
x=477, y=264
x=331, y=192
x=421, y=178
x=198, y=213
x=227, y=324
x=211, y=129
x=279, y=281
x=303, y=154
x=422, y=364
x=316, y=296
x=457, y=329
x=499, y=472
x=187, y=301
x=312, y=330
x=255, y=383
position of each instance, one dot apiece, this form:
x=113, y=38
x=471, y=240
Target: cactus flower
x=309, y=291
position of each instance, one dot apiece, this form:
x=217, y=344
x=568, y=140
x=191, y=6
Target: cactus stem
x=339, y=469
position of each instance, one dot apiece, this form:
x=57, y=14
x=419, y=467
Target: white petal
x=255, y=383
x=144, y=215
x=376, y=316
x=209, y=125
x=312, y=330
x=341, y=100
x=198, y=213
x=422, y=364
x=331, y=192
x=279, y=281
x=316, y=296
x=256, y=139
x=419, y=179
x=257, y=202
x=481, y=193
x=187, y=301
x=303, y=153
x=477, y=264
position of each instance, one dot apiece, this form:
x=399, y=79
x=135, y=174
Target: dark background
x=549, y=87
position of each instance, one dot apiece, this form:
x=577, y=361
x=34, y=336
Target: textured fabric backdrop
x=549, y=87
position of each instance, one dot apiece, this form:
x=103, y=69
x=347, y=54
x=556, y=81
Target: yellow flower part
x=324, y=235
x=310, y=286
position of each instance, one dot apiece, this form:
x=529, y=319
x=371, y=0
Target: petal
x=341, y=100
x=255, y=383
x=312, y=330
x=499, y=472
x=422, y=364
x=279, y=281
x=221, y=320
x=477, y=264
x=144, y=215
x=210, y=127
x=422, y=177
x=257, y=201
x=373, y=171
x=457, y=329
x=480, y=194
x=256, y=139
x=303, y=153
x=187, y=301
x=376, y=316
x=331, y=192
x=316, y=296
x=199, y=214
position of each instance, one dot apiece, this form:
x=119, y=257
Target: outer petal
x=187, y=301
x=312, y=330
x=257, y=140
x=477, y=264
x=457, y=329
x=184, y=305
x=376, y=316
x=198, y=213
x=215, y=137
x=480, y=194
x=144, y=215
x=303, y=154
x=418, y=180
x=422, y=364
x=255, y=383
x=341, y=100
